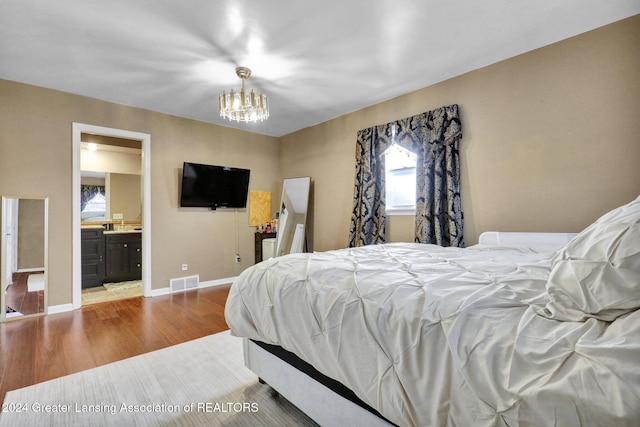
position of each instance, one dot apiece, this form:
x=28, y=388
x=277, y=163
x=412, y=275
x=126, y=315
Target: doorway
x=145, y=143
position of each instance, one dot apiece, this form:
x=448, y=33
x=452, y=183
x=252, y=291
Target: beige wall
x=35, y=161
x=89, y=180
x=550, y=140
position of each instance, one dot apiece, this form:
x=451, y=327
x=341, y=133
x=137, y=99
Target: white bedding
x=435, y=336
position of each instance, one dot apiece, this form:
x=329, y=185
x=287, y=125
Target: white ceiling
x=315, y=60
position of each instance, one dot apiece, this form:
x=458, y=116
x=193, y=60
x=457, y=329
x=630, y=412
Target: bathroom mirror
x=292, y=219
x=110, y=179
x=24, y=257
x=102, y=196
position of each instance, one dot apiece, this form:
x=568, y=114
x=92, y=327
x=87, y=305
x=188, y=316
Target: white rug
x=35, y=282
x=123, y=285
x=112, y=292
x=199, y=383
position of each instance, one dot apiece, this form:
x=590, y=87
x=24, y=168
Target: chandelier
x=242, y=106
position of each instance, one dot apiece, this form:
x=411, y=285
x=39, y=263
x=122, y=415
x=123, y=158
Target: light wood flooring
x=39, y=349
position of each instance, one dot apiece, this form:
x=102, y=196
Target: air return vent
x=184, y=283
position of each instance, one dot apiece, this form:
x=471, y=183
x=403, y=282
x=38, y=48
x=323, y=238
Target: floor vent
x=184, y=283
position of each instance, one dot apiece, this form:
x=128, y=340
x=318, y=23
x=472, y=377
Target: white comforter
x=435, y=336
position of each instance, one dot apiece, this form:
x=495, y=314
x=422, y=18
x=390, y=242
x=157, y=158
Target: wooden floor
x=42, y=348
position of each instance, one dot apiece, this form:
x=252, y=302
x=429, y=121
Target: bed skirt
x=318, y=396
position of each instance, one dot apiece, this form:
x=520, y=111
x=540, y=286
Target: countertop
x=122, y=231
x=128, y=229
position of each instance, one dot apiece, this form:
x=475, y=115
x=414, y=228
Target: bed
x=501, y=333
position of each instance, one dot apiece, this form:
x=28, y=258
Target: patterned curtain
x=439, y=217
x=87, y=192
x=368, y=217
x=434, y=136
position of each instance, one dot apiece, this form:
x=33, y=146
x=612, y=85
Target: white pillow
x=597, y=274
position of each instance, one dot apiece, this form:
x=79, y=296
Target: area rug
x=123, y=285
x=112, y=292
x=198, y=383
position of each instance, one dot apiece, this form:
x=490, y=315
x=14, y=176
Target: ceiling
x=315, y=60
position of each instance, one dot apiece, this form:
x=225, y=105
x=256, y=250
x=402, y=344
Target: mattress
x=428, y=335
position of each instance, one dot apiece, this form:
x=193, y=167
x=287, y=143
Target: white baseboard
x=53, y=309
x=159, y=292
x=217, y=282
x=207, y=284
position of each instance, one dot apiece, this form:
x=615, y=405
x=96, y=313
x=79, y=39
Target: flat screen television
x=210, y=186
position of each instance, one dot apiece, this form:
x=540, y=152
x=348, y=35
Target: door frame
x=77, y=130
x=10, y=242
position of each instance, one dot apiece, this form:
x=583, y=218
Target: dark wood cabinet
x=123, y=257
x=92, y=250
x=110, y=257
x=259, y=237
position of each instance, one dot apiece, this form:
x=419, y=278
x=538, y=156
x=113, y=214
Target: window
x=400, y=181
x=95, y=208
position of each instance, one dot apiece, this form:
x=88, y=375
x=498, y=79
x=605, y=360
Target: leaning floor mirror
x=24, y=257
x=292, y=222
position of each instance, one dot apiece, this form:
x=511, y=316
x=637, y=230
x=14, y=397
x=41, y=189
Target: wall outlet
x=237, y=258
x=117, y=216
x=185, y=267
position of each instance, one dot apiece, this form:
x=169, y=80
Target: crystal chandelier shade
x=243, y=106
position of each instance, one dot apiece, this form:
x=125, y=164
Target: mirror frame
x=285, y=230
x=3, y=254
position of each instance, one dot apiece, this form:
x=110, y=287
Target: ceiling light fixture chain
x=242, y=106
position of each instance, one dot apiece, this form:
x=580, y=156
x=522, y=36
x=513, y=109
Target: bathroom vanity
x=110, y=256
x=92, y=245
